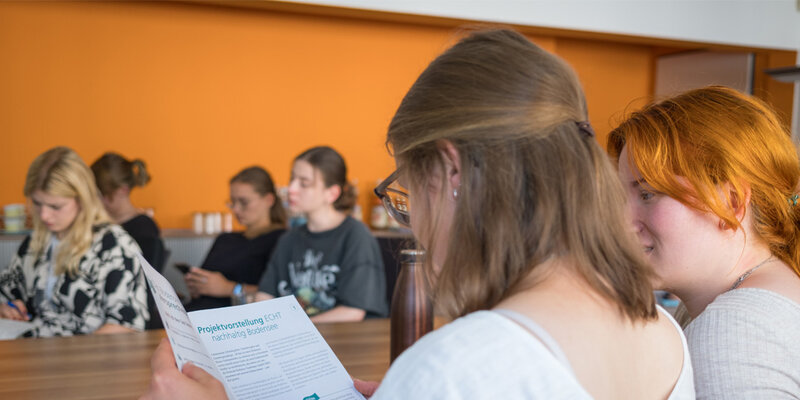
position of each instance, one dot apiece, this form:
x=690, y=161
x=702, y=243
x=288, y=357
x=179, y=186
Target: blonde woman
x=76, y=273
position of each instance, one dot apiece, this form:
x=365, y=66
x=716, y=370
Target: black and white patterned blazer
x=108, y=288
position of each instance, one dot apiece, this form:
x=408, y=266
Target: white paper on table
x=266, y=350
x=12, y=329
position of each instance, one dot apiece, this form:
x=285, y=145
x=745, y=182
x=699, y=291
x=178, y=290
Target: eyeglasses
x=243, y=203
x=394, y=200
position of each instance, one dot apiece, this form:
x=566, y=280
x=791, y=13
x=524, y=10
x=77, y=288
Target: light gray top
x=746, y=345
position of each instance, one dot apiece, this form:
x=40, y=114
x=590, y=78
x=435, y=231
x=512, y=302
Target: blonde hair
x=712, y=136
x=533, y=186
x=61, y=172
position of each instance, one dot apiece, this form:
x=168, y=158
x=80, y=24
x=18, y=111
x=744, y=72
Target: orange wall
x=199, y=92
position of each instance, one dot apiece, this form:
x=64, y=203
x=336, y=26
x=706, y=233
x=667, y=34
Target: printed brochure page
x=264, y=350
x=186, y=343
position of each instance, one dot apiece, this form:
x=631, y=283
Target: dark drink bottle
x=412, y=311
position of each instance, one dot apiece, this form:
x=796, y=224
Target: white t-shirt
x=485, y=355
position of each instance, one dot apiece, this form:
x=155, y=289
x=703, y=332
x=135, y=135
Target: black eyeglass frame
x=383, y=190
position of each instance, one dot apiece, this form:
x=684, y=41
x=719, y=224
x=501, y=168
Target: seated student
x=332, y=264
x=712, y=179
x=116, y=177
x=522, y=215
x=77, y=272
x=237, y=260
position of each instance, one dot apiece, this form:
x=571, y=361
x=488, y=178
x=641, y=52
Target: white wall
x=754, y=23
x=676, y=73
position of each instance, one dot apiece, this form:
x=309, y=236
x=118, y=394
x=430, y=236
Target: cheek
x=415, y=219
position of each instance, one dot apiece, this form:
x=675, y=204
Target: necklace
x=749, y=271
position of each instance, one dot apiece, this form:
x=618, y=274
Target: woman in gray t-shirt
x=712, y=176
x=332, y=264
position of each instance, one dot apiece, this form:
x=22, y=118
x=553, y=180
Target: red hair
x=712, y=136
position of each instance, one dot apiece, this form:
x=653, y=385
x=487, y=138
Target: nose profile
x=632, y=213
x=44, y=214
x=293, y=186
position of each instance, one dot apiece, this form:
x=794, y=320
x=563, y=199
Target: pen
x=14, y=306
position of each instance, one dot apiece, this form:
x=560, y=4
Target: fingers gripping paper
x=265, y=350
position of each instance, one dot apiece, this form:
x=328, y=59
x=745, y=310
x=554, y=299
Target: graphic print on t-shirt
x=313, y=284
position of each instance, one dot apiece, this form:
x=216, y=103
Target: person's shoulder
x=143, y=225
x=352, y=224
x=355, y=230
x=481, y=336
x=112, y=236
x=230, y=237
x=745, y=339
x=451, y=348
x=749, y=303
x=294, y=234
x=482, y=354
x=474, y=328
x=272, y=235
x=743, y=316
x=22, y=250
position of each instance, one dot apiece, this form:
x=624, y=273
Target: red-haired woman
x=712, y=180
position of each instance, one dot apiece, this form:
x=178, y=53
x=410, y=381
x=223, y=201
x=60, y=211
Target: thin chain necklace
x=749, y=271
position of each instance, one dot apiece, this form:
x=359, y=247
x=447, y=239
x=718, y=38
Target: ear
x=739, y=203
x=332, y=193
x=736, y=201
x=452, y=162
x=270, y=199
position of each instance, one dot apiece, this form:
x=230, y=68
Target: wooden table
x=118, y=366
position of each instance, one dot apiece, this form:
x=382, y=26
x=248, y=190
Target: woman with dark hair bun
x=116, y=176
x=332, y=264
x=236, y=261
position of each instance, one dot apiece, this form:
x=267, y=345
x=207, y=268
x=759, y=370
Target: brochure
x=265, y=350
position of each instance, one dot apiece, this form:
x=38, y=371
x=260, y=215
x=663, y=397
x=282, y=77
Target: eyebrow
x=638, y=183
x=51, y=205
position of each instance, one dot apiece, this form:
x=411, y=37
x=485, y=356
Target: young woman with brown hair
x=332, y=264
x=521, y=214
x=237, y=260
x=116, y=176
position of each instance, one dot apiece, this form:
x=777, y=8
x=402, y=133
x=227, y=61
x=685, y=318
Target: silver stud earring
x=455, y=193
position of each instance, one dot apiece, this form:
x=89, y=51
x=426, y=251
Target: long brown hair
x=712, y=136
x=333, y=169
x=262, y=183
x=533, y=184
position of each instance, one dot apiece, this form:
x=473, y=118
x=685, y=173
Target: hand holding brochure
x=265, y=350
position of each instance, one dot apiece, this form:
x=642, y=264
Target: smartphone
x=183, y=267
